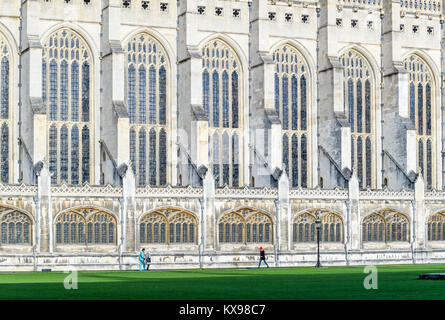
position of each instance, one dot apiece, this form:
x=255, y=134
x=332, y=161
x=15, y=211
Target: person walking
x=142, y=260
x=262, y=257
x=148, y=260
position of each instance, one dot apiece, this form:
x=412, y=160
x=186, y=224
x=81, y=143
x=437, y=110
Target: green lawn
x=394, y=282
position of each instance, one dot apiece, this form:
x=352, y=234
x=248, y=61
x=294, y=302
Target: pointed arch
x=16, y=226
x=149, y=109
x=423, y=103
x=292, y=82
x=304, y=226
x=223, y=103
x=245, y=225
x=360, y=91
x=67, y=57
x=82, y=225
x=6, y=104
x=168, y=225
x=394, y=225
x=436, y=226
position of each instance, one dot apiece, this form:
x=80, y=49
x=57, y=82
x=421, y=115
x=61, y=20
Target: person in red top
x=262, y=257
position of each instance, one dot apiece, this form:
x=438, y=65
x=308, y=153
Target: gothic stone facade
x=202, y=129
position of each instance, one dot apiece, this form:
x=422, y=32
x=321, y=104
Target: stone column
x=34, y=130
x=418, y=221
x=353, y=219
x=128, y=210
x=333, y=123
x=264, y=121
x=44, y=209
x=398, y=130
x=115, y=122
x=37, y=229
x=208, y=226
x=283, y=214
x=193, y=132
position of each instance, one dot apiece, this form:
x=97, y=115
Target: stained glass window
x=421, y=103
x=304, y=227
x=142, y=156
x=148, y=106
x=258, y=226
x=15, y=227
x=152, y=157
x=291, y=104
x=64, y=154
x=70, y=227
x=436, y=227
x=358, y=91
x=162, y=157
x=66, y=92
x=181, y=226
x=85, y=154
x=221, y=94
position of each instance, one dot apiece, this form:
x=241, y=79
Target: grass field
x=394, y=282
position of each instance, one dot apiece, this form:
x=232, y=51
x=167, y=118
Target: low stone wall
x=191, y=260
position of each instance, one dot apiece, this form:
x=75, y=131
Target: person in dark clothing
x=262, y=257
x=147, y=260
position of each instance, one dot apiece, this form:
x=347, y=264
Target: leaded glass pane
x=421, y=107
x=235, y=108
x=142, y=157
x=75, y=155
x=152, y=157
x=220, y=80
x=5, y=153
x=64, y=154
x=225, y=158
x=225, y=99
x=53, y=153
x=85, y=154
x=162, y=158
x=4, y=91
x=152, y=95
x=162, y=96
x=142, y=95
x=294, y=161
x=291, y=103
x=66, y=90
x=235, y=160
x=132, y=93
x=85, y=92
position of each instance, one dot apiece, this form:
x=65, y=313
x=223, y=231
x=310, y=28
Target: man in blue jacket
x=142, y=260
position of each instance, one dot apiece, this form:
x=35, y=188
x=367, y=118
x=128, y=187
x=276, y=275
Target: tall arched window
x=292, y=104
x=358, y=92
x=5, y=102
x=15, y=227
x=222, y=95
x=83, y=226
x=147, y=100
x=436, y=227
x=421, y=93
x=66, y=92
